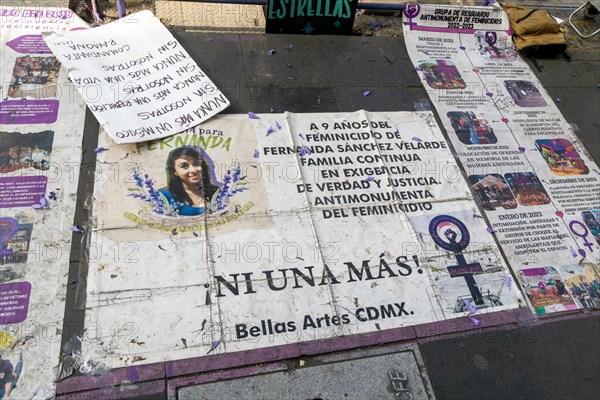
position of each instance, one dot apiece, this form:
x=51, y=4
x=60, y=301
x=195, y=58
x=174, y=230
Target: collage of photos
x=527, y=189
x=546, y=290
x=583, y=283
x=525, y=94
x=471, y=130
x=34, y=77
x=15, y=234
x=460, y=272
x=481, y=282
x=562, y=157
x=592, y=220
x=441, y=74
x=493, y=192
x=25, y=151
x=495, y=48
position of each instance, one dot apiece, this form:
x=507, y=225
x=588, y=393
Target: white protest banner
x=138, y=88
x=536, y=182
x=306, y=227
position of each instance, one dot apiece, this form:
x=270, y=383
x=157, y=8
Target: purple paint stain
x=277, y=125
x=133, y=374
x=256, y=154
x=100, y=149
x=416, y=139
x=508, y=281
x=304, y=151
x=270, y=130
x=462, y=48
x=573, y=252
x=582, y=253
x=475, y=321
x=522, y=149
x=76, y=228
x=490, y=229
x=490, y=94
x=367, y=179
x=366, y=93
x=251, y=115
x=271, y=52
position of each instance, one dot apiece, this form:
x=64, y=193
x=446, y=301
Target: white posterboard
x=137, y=79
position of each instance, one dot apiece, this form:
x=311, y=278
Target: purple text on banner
x=21, y=191
x=29, y=44
x=28, y=112
x=14, y=302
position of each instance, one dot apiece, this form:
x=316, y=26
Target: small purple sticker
x=411, y=10
x=29, y=44
x=14, y=302
x=30, y=112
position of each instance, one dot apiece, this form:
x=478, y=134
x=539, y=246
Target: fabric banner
x=41, y=130
x=253, y=231
x=535, y=180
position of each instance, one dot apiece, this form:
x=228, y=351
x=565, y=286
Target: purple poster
x=22, y=191
x=28, y=111
x=14, y=302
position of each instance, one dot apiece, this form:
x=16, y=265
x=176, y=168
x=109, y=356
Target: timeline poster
x=249, y=232
x=41, y=131
x=537, y=183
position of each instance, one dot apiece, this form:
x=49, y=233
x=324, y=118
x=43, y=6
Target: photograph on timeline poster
x=526, y=168
x=282, y=229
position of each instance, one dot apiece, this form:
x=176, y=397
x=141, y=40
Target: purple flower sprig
x=145, y=191
x=233, y=184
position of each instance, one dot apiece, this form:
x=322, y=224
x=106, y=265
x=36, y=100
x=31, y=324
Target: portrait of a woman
x=188, y=181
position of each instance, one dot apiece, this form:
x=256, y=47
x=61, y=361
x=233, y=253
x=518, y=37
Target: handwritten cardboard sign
x=137, y=79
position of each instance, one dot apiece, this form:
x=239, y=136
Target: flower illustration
x=145, y=191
